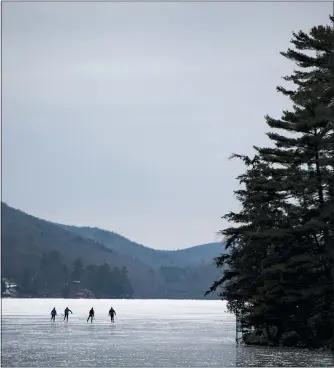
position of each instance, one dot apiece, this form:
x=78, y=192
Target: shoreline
x=288, y=340
x=104, y=298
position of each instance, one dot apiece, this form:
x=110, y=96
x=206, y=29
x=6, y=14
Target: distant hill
x=25, y=238
x=198, y=254
x=201, y=254
x=153, y=273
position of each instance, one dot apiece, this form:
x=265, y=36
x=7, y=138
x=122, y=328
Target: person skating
x=91, y=315
x=66, y=311
x=112, y=314
x=53, y=314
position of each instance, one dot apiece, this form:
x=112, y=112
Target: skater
x=91, y=315
x=66, y=313
x=53, y=314
x=112, y=313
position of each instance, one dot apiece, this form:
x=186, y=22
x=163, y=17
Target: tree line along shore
x=278, y=272
x=53, y=278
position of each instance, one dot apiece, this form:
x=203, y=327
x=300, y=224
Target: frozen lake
x=146, y=333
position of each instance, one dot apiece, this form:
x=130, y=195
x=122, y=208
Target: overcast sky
x=123, y=115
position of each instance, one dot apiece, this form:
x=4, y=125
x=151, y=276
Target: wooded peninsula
x=279, y=266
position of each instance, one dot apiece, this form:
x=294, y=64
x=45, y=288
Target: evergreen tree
x=78, y=270
x=309, y=156
x=280, y=269
x=3, y=286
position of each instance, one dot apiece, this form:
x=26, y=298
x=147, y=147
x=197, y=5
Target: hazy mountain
x=25, y=238
x=187, y=273
x=201, y=254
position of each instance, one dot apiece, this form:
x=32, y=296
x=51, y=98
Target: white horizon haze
x=122, y=115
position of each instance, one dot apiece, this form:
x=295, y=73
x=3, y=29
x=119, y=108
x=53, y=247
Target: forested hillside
x=201, y=254
x=281, y=262
x=44, y=258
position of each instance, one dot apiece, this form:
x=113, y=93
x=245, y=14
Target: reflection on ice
x=146, y=333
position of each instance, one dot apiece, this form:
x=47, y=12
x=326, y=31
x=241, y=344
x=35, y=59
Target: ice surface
x=146, y=333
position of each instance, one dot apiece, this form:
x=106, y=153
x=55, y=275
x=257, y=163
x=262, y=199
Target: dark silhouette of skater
x=53, y=314
x=112, y=314
x=66, y=313
x=91, y=315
